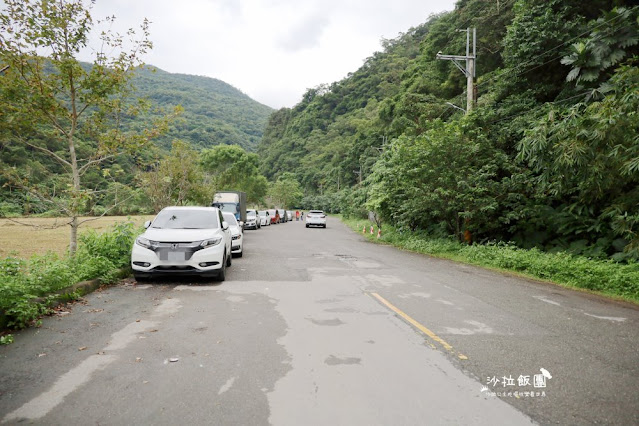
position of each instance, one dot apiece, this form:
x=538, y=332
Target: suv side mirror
x=225, y=225
x=147, y=224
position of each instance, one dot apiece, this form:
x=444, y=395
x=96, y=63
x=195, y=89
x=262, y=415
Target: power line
x=545, y=104
x=517, y=68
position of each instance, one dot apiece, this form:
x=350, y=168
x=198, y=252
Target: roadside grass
x=25, y=236
x=27, y=285
x=617, y=280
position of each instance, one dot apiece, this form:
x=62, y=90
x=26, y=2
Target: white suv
x=183, y=241
x=237, y=234
x=316, y=218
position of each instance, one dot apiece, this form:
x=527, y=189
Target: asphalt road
x=320, y=327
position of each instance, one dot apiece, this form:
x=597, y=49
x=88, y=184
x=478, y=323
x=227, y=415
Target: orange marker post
x=379, y=233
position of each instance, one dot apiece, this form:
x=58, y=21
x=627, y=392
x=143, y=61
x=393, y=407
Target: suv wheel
x=222, y=274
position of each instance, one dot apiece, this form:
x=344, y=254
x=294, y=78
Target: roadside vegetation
x=602, y=276
x=29, y=286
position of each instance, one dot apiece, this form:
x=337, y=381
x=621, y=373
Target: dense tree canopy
x=214, y=112
x=231, y=168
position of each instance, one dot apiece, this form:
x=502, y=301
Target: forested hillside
x=548, y=158
x=215, y=113
x=34, y=175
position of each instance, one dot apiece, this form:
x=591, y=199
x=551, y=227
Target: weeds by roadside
x=26, y=286
x=606, y=277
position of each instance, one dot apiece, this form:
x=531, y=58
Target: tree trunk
x=76, y=200
x=73, y=241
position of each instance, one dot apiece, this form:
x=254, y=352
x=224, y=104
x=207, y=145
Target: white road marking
x=384, y=280
x=417, y=294
x=227, y=385
x=543, y=299
x=194, y=288
x=120, y=339
x=478, y=328
x=615, y=319
x=366, y=265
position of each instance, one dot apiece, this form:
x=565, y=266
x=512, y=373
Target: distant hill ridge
x=215, y=112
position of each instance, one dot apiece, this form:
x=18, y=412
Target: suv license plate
x=176, y=256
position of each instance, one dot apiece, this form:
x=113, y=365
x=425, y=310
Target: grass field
x=25, y=237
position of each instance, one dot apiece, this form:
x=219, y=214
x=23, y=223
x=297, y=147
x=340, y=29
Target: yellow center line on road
x=417, y=325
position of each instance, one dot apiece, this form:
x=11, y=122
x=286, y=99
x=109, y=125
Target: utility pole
x=384, y=140
x=359, y=173
x=469, y=70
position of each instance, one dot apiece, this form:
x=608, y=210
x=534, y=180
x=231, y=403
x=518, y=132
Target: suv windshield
x=250, y=213
x=186, y=219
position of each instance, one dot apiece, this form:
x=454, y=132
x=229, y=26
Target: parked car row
x=255, y=219
x=201, y=240
x=275, y=216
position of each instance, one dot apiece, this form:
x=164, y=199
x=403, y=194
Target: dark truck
x=233, y=202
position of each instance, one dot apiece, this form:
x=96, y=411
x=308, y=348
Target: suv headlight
x=211, y=242
x=141, y=241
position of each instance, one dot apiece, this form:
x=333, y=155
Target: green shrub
x=114, y=245
x=49, y=273
x=11, y=266
x=96, y=267
x=99, y=256
x=8, y=209
x=24, y=312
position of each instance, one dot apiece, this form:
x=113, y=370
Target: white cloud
x=272, y=50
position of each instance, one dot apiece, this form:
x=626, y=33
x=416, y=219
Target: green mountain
x=215, y=113
x=548, y=158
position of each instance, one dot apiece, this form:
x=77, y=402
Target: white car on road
x=237, y=234
x=183, y=241
x=265, y=218
x=316, y=218
x=252, y=220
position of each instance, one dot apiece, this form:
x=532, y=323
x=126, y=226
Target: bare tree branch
x=105, y=212
x=84, y=168
x=32, y=225
x=47, y=151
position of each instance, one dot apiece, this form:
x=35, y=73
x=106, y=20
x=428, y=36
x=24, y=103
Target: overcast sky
x=272, y=50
